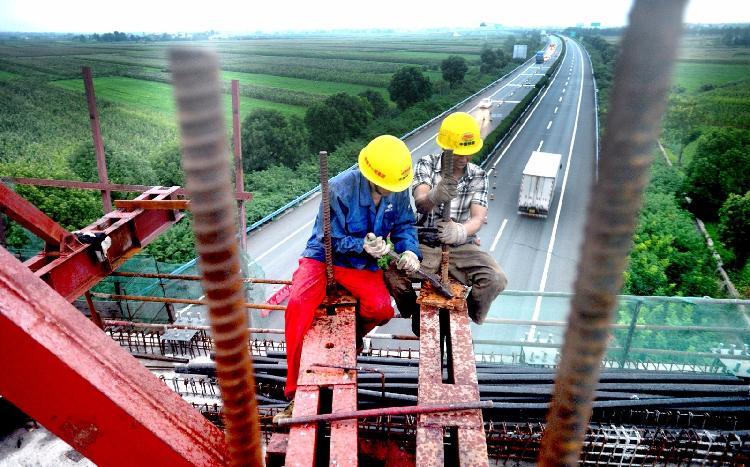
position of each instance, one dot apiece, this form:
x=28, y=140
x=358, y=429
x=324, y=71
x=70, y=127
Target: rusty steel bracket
x=445, y=346
x=72, y=267
x=330, y=341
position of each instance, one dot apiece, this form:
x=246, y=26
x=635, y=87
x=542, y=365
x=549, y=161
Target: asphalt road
x=537, y=254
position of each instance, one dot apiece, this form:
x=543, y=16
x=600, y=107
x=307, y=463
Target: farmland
x=44, y=125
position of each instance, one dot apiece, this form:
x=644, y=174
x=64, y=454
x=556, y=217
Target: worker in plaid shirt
x=466, y=193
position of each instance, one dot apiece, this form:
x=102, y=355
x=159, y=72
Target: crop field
x=132, y=81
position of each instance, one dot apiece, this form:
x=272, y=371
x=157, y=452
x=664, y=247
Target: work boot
x=284, y=414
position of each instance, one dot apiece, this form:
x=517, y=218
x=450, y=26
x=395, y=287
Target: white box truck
x=538, y=183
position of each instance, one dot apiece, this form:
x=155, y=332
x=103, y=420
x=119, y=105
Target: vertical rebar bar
x=92, y=309
x=326, y=206
x=446, y=170
x=239, y=179
x=96, y=135
x=642, y=79
x=197, y=89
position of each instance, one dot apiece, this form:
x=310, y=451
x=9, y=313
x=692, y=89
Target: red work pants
x=308, y=291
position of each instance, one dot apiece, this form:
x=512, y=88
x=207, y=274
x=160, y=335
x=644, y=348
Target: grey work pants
x=468, y=264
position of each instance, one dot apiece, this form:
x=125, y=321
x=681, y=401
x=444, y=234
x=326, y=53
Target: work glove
x=408, y=262
x=451, y=233
x=444, y=191
x=376, y=246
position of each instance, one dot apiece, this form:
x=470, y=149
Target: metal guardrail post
x=631, y=330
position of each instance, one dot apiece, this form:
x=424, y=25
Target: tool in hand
x=432, y=278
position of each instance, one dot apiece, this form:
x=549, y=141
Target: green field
x=314, y=87
x=157, y=97
x=5, y=75
x=692, y=75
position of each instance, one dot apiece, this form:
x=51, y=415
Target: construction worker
x=369, y=199
x=465, y=191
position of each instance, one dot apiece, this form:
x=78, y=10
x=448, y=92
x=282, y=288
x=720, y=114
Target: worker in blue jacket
x=368, y=199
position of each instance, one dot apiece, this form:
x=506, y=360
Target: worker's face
x=381, y=191
x=460, y=162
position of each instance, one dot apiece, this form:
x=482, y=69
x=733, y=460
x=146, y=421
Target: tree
x=377, y=102
x=336, y=119
x=487, y=60
x=166, y=165
x=409, y=86
x=122, y=166
x=734, y=225
x=680, y=123
x=268, y=138
x=454, y=69
x=719, y=167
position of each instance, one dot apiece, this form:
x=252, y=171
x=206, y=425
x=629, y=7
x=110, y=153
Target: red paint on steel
x=85, y=388
x=330, y=340
x=168, y=204
x=277, y=297
x=463, y=386
x=76, y=271
x=105, y=186
x=30, y=217
x=96, y=135
x=239, y=182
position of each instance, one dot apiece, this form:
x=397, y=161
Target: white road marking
x=284, y=240
x=511, y=81
x=497, y=237
x=539, y=148
x=551, y=246
x=518, y=132
x=555, y=110
x=564, y=90
x=428, y=140
x=560, y=100
x=549, y=124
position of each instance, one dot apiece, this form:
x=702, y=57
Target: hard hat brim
x=461, y=151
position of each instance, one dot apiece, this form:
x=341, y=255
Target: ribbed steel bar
x=192, y=277
x=96, y=135
x=446, y=170
x=195, y=74
x=326, y=208
x=188, y=301
x=408, y=410
x=638, y=99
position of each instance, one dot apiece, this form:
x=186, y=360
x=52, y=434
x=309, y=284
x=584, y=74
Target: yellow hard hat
x=460, y=132
x=386, y=162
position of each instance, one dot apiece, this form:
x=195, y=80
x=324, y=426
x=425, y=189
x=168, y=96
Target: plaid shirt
x=472, y=188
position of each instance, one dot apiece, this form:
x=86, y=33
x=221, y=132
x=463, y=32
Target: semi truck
x=539, y=57
x=538, y=183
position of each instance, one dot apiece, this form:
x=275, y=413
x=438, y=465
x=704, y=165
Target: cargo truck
x=538, y=183
x=539, y=57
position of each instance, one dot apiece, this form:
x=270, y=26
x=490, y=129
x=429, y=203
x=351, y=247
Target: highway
x=537, y=254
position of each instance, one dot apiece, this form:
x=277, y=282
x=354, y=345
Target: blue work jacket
x=354, y=215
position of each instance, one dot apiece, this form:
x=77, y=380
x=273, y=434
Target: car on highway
x=485, y=103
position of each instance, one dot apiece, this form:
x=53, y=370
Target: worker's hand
x=444, y=191
x=408, y=262
x=451, y=233
x=376, y=246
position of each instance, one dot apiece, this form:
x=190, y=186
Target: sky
x=137, y=16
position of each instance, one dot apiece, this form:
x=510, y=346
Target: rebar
x=190, y=301
x=326, y=208
x=195, y=74
x=446, y=170
x=638, y=99
x=193, y=277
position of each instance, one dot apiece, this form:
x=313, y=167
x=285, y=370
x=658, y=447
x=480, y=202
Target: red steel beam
x=96, y=135
x=29, y=216
x=243, y=195
x=63, y=371
x=74, y=272
x=168, y=204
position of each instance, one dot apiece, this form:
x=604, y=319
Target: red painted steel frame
x=75, y=269
x=96, y=135
x=63, y=371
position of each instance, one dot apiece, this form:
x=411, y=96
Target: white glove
x=451, y=233
x=376, y=246
x=408, y=262
x=444, y=191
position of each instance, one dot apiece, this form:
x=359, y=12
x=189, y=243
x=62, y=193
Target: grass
x=6, y=75
x=314, y=87
x=158, y=97
x=692, y=75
